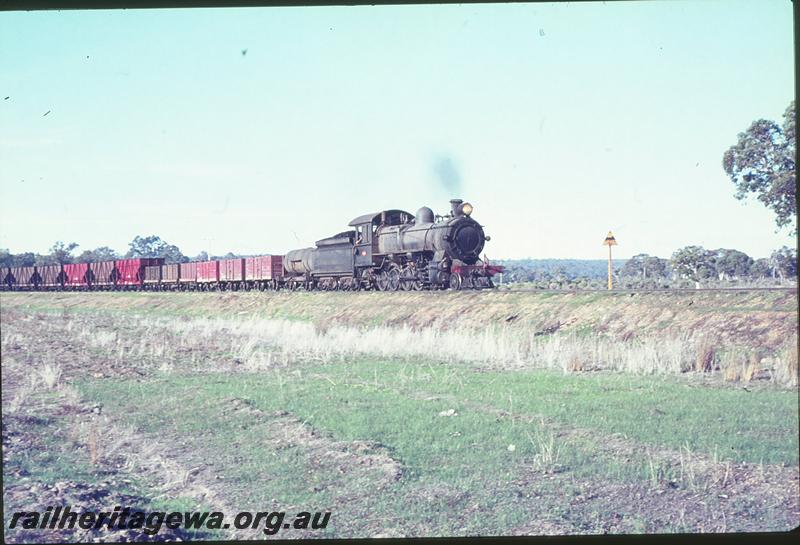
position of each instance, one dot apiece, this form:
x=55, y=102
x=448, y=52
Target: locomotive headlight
x=466, y=208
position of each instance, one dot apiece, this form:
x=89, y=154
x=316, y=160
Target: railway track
x=496, y=290
x=664, y=290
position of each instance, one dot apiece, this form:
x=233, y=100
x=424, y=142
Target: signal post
x=610, y=241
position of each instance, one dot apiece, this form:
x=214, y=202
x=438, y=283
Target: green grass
x=385, y=402
x=738, y=425
x=468, y=453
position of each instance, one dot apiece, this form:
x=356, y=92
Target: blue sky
x=561, y=121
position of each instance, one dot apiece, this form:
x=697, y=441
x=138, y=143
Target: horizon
x=261, y=130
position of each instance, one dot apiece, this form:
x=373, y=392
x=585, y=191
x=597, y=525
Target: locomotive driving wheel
x=408, y=278
x=382, y=281
x=393, y=276
x=455, y=281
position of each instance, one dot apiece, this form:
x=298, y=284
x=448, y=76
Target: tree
x=103, y=253
x=202, y=256
x=731, y=263
x=761, y=268
x=25, y=259
x=153, y=246
x=784, y=262
x=694, y=263
x=762, y=163
x=644, y=266
x=6, y=258
x=60, y=253
x=229, y=255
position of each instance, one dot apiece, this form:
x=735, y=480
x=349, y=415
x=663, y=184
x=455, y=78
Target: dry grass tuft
x=22, y=395
x=786, y=368
x=731, y=365
x=704, y=356
x=575, y=363
x=739, y=365
x=50, y=375
x=548, y=451
x=751, y=367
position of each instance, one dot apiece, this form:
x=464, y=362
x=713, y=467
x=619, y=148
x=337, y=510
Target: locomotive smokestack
x=455, y=206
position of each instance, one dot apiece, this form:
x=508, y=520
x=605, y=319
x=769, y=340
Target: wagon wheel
x=455, y=281
x=393, y=275
x=382, y=281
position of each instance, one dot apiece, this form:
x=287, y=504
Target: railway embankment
x=763, y=320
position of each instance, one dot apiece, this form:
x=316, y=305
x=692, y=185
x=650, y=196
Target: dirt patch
x=80, y=497
x=346, y=458
x=343, y=457
x=637, y=508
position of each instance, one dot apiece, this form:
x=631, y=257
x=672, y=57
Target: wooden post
x=610, y=241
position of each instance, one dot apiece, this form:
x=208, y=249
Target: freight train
x=388, y=251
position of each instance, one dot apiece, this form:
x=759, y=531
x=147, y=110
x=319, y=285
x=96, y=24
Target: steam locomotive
x=388, y=251
x=394, y=250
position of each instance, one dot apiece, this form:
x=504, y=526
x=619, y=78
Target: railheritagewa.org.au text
x=150, y=523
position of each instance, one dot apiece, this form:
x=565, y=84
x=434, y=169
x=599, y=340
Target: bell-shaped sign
x=610, y=240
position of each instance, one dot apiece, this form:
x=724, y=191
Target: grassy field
x=407, y=414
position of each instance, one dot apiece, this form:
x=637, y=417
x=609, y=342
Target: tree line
x=61, y=252
x=691, y=266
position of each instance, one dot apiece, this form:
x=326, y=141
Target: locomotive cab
x=365, y=245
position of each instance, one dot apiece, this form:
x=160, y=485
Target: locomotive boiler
x=395, y=250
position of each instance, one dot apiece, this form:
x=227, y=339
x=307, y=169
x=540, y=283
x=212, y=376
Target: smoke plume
x=448, y=176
